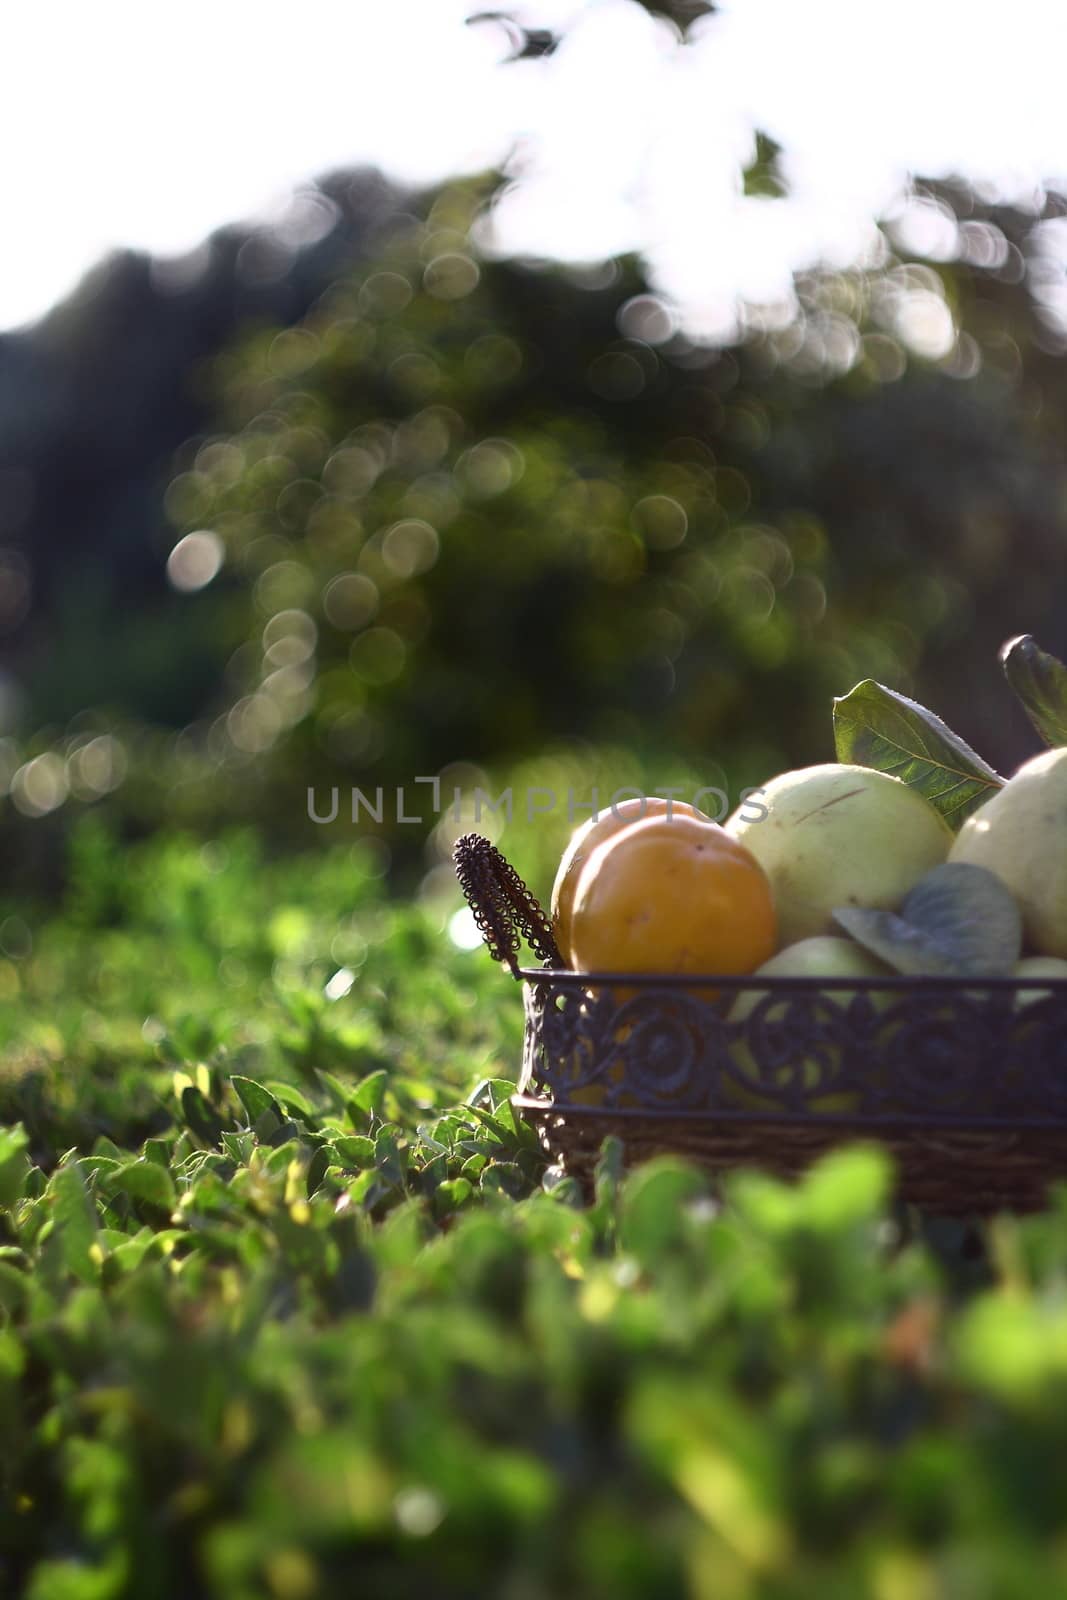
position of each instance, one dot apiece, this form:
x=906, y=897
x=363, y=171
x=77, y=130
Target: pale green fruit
x=822, y=956
x=1021, y=835
x=838, y=835
x=1037, y=967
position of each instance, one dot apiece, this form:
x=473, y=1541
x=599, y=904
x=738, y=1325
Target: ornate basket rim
x=566, y=977
x=744, y=1095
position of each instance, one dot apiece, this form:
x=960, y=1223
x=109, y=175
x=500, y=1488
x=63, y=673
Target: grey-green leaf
x=905, y=948
x=877, y=727
x=1040, y=681
x=968, y=911
x=958, y=921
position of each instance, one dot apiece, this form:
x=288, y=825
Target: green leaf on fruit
x=958, y=921
x=1040, y=681
x=879, y=728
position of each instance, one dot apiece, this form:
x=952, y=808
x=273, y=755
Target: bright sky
x=125, y=124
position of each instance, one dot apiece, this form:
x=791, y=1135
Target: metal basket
x=964, y=1080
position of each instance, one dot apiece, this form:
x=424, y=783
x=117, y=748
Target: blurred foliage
x=531, y=43
x=461, y=541
x=763, y=176
x=478, y=515
x=476, y=510
x=289, y=1301
x=94, y=400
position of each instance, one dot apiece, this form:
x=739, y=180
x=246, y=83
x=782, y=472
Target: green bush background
x=291, y=1304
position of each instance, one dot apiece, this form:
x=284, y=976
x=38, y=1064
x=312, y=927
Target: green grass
x=291, y=1307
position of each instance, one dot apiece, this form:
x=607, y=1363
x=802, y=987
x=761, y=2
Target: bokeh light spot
x=410, y=547
x=418, y=1512
x=254, y=723
x=490, y=468
x=97, y=767
x=648, y=319
x=350, y=600
x=352, y=470
x=292, y=352
x=661, y=521
x=926, y=227
x=40, y=785
x=284, y=587
x=339, y=985
x=384, y=294
x=924, y=323
x=289, y=638
x=194, y=561
x=451, y=276
x=749, y=594
x=290, y=690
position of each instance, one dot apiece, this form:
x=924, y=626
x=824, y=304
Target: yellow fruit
x=594, y=1095
x=1038, y=967
x=678, y=896
x=594, y=832
x=1021, y=835
x=838, y=835
x=822, y=956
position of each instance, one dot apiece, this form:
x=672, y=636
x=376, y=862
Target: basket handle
x=503, y=907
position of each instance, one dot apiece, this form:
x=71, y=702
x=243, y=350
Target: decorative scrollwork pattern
x=925, y=1053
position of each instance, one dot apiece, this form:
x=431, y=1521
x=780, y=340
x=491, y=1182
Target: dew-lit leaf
x=255, y=1098
x=879, y=728
x=1040, y=681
